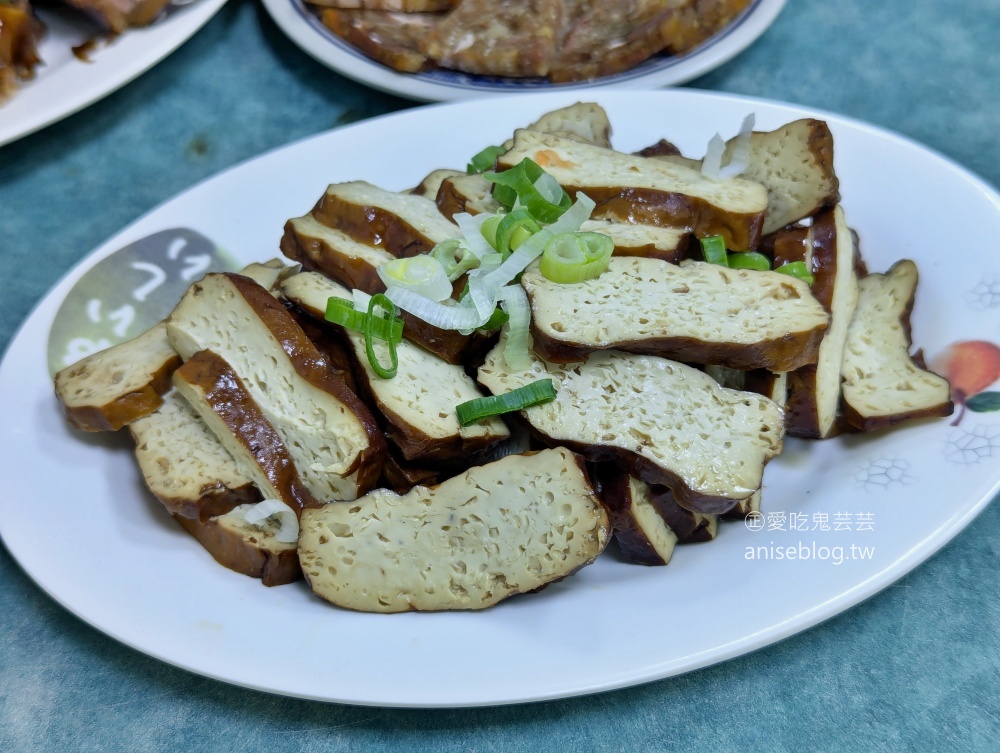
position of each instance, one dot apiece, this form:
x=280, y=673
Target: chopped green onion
x=489, y=229
x=514, y=229
x=454, y=257
x=574, y=257
x=496, y=321
x=379, y=300
x=796, y=269
x=524, y=184
x=517, y=344
x=749, y=260
x=714, y=250
x=341, y=311
x=471, y=227
x=540, y=391
x=484, y=160
x=422, y=274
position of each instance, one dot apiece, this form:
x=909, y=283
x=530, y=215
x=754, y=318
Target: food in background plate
x=558, y=40
x=20, y=31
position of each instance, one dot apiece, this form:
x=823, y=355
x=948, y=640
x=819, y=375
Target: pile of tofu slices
x=266, y=434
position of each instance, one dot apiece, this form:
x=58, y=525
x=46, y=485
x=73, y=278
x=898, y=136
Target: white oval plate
x=64, y=84
x=75, y=515
x=309, y=33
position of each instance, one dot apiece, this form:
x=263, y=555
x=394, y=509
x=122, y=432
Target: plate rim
x=307, y=33
x=861, y=591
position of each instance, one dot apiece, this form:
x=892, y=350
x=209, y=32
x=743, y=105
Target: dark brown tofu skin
x=224, y=392
x=232, y=551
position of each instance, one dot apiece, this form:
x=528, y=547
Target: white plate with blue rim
x=842, y=518
x=65, y=82
x=303, y=26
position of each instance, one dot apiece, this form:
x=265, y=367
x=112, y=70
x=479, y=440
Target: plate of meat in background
x=83, y=57
x=437, y=50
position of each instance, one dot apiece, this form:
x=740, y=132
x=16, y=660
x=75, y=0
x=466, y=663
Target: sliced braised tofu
x=745, y=507
x=247, y=548
x=466, y=193
x=184, y=464
x=403, y=224
x=767, y=383
x=116, y=386
x=882, y=385
x=689, y=527
x=670, y=244
x=814, y=390
x=431, y=183
x=794, y=163
x=337, y=446
x=694, y=313
x=491, y=532
x=642, y=534
x=586, y=122
x=111, y=389
x=334, y=253
x=644, y=190
x=418, y=404
x=665, y=422
x=221, y=399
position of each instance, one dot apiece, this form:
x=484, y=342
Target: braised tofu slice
x=111, y=389
x=496, y=530
x=645, y=190
x=336, y=442
x=882, y=385
x=665, y=422
x=670, y=244
x=814, y=390
x=403, y=224
x=246, y=548
x=221, y=399
x=418, y=404
x=693, y=313
x=185, y=465
x=334, y=253
x=795, y=164
x=641, y=533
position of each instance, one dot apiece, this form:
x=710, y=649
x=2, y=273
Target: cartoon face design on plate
x=129, y=291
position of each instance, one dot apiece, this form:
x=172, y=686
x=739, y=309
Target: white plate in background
x=76, y=517
x=64, y=84
x=309, y=33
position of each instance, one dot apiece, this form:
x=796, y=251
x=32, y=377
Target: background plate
x=309, y=33
x=64, y=84
x=859, y=512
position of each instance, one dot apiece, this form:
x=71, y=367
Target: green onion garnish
x=714, y=250
x=484, y=160
x=489, y=229
x=749, y=260
x=525, y=183
x=540, y=391
x=496, y=321
x=379, y=300
x=454, y=257
x=796, y=269
x=574, y=257
x=514, y=229
x=341, y=311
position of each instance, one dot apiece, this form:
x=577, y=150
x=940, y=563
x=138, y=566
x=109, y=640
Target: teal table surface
x=917, y=667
